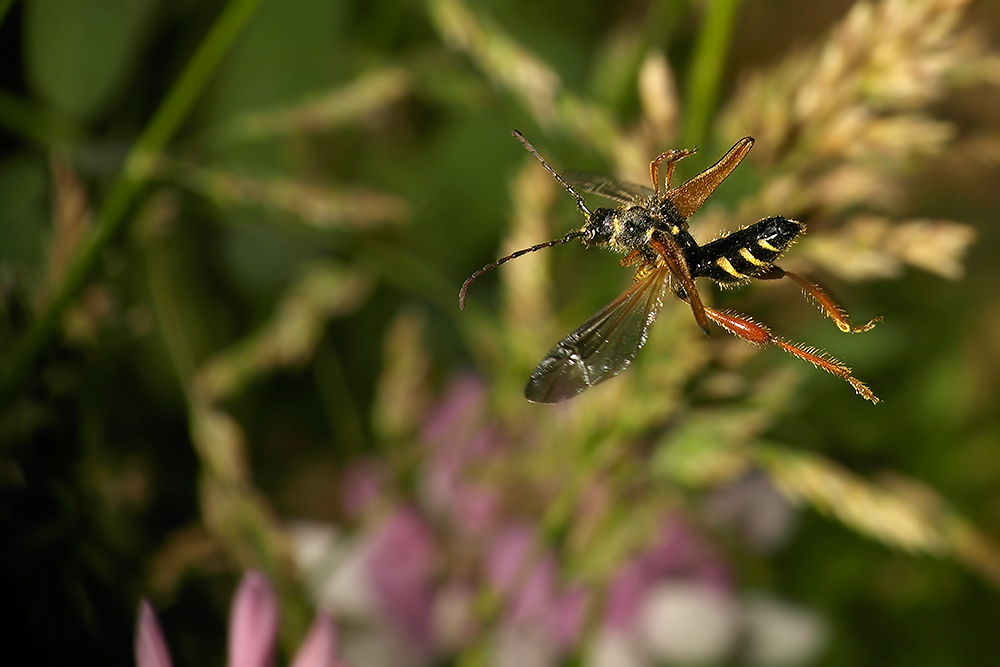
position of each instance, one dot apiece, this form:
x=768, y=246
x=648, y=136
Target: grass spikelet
x=291, y=335
x=859, y=95
x=833, y=491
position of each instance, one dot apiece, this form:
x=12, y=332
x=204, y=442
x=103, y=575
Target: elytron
x=650, y=227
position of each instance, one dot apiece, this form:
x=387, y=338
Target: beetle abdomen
x=745, y=253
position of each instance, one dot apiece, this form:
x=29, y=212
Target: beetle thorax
x=622, y=229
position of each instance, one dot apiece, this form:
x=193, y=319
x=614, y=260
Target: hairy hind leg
x=757, y=334
x=819, y=296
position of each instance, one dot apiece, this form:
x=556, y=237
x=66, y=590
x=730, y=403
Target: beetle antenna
x=580, y=203
x=514, y=255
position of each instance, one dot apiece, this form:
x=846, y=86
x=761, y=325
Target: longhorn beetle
x=650, y=228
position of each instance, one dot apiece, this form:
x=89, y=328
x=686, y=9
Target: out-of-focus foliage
x=231, y=239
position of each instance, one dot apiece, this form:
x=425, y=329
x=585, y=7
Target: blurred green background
x=219, y=222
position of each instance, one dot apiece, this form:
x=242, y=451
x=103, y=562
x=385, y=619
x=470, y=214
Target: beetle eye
x=600, y=228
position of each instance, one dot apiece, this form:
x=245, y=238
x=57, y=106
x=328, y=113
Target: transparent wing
x=627, y=193
x=603, y=346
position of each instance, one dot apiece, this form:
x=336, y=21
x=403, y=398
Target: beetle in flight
x=650, y=228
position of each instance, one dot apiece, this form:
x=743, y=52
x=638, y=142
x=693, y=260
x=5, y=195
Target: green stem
x=136, y=171
x=169, y=319
x=705, y=76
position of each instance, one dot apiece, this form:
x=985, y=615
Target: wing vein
x=601, y=347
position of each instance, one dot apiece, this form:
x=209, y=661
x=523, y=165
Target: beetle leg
x=673, y=255
x=632, y=258
x=758, y=334
x=671, y=157
x=819, y=296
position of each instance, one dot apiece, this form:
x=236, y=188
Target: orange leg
x=632, y=258
x=670, y=157
x=673, y=257
x=818, y=295
x=750, y=331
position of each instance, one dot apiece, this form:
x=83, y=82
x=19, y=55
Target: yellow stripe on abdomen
x=748, y=256
x=727, y=266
